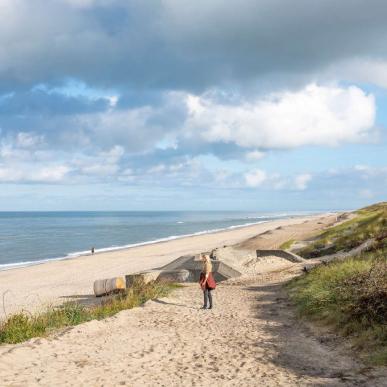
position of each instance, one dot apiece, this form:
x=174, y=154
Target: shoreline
x=32, y=287
x=102, y=250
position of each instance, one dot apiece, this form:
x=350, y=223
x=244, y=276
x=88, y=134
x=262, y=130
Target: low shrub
x=350, y=296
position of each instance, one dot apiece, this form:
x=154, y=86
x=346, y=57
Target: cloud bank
x=183, y=45
x=184, y=94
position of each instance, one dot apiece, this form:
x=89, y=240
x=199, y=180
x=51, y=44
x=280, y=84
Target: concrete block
x=178, y=276
x=143, y=277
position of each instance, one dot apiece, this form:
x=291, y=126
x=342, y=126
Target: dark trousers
x=207, y=297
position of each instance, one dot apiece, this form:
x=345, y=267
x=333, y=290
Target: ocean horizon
x=30, y=238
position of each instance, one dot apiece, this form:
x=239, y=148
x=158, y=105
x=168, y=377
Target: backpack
x=210, y=284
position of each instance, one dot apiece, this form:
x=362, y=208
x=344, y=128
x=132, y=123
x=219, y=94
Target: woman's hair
x=207, y=262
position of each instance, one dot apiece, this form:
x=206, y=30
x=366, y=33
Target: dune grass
x=23, y=326
x=286, y=245
x=351, y=297
x=369, y=223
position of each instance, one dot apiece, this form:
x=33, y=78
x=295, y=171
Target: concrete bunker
x=281, y=254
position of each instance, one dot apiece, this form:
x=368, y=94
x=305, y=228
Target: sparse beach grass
x=370, y=223
x=350, y=296
x=286, y=245
x=23, y=326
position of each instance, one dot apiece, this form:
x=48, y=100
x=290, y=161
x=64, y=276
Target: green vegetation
x=350, y=295
x=22, y=326
x=370, y=223
x=286, y=245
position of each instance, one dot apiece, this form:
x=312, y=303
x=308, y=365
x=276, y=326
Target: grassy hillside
x=369, y=223
x=350, y=295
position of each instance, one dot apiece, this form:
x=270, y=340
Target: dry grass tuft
x=22, y=326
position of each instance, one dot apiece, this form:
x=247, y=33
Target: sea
x=29, y=238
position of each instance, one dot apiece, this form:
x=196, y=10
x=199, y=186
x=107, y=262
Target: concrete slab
x=281, y=254
x=194, y=265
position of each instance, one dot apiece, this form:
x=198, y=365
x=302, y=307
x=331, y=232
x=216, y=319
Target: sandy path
x=250, y=338
x=55, y=282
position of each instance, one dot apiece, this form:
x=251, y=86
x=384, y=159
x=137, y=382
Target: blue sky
x=248, y=105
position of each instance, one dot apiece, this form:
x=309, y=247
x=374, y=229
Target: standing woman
x=207, y=282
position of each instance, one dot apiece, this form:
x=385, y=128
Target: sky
x=264, y=105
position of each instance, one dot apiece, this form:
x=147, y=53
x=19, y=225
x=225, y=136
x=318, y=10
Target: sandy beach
x=250, y=338
x=54, y=282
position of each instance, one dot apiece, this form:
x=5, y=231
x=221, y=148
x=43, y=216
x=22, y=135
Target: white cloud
x=22, y=146
x=117, y=126
x=367, y=172
x=113, y=99
x=156, y=169
x=255, y=178
x=135, y=128
x=114, y=154
x=100, y=169
x=80, y=3
x=51, y=174
x=361, y=168
x=301, y=181
x=275, y=181
x=17, y=173
x=186, y=168
x=28, y=140
x=254, y=155
x=102, y=163
x=26, y=158
x=315, y=115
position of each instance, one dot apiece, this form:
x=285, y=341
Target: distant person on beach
x=207, y=282
x=92, y=250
